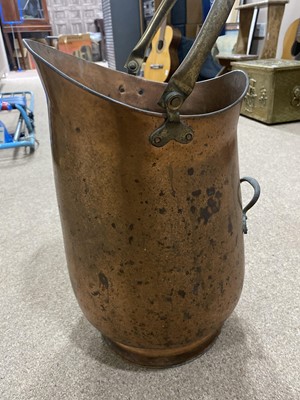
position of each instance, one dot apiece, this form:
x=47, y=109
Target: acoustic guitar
x=291, y=42
x=163, y=57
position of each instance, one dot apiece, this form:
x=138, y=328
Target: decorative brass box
x=274, y=91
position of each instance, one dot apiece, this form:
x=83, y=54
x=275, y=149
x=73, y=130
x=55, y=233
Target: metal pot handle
x=183, y=80
x=253, y=182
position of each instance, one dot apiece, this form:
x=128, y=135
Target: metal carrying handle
x=253, y=182
x=184, y=79
x=136, y=58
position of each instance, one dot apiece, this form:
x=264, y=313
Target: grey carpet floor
x=49, y=351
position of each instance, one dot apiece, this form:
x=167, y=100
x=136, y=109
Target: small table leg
x=10, y=50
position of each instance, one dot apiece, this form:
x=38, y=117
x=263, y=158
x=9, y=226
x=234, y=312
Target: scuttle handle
x=253, y=182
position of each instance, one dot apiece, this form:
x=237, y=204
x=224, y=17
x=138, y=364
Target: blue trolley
x=23, y=135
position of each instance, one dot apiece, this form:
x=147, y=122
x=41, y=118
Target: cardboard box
x=78, y=45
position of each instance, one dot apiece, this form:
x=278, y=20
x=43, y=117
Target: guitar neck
x=162, y=30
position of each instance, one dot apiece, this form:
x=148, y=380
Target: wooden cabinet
x=23, y=16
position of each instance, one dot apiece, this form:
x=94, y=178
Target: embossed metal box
x=274, y=90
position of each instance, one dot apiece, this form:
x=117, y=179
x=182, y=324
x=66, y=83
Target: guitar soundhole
x=160, y=44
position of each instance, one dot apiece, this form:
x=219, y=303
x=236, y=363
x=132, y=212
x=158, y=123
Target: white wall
x=4, y=68
x=291, y=13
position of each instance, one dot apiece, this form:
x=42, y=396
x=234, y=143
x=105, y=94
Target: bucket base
x=161, y=358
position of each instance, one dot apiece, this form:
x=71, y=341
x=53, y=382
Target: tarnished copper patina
x=153, y=232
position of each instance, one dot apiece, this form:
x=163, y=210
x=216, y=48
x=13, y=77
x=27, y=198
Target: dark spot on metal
x=121, y=89
x=230, y=227
x=163, y=317
x=205, y=145
x=160, y=243
x=121, y=271
x=180, y=210
x=162, y=210
x=154, y=164
x=78, y=130
x=141, y=91
x=181, y=293
x=136, y=181
x=212, y=242
x=213, y=205
x=130, y=239
x=103, y=280
x=209, y=277
x=131, y=227
x=139, y=282
x=204, y=215
x=221, y=286
x=210, y=191
x=95, y=293
x=113, y=225
x=200, y=333
x=191, y=171
x=193, y=209
x=161, y=193
x=196, y=193
x=196, y=288
x=130, y=262
x=186, y=316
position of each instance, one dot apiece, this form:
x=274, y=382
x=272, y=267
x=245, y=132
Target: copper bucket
x=149, y=199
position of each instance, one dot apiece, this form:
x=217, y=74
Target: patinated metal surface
x=273, y=95
x=153, y=235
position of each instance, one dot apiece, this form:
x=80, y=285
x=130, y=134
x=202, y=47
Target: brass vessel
x=150, y=203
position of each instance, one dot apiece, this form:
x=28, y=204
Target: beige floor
x=49, y=351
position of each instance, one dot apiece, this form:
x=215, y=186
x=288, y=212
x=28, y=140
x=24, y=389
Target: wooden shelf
x=13, y=23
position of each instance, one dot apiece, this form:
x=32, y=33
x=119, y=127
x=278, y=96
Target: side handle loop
x=253, y=182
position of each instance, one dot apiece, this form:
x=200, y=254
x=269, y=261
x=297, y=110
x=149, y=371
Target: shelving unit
x=24, y=16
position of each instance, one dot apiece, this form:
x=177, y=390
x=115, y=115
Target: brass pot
x=153, y=229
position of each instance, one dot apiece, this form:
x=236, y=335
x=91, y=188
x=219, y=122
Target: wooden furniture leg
x=243, y=36
x=21, y=47
x=10, y=50
x=275, y=14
